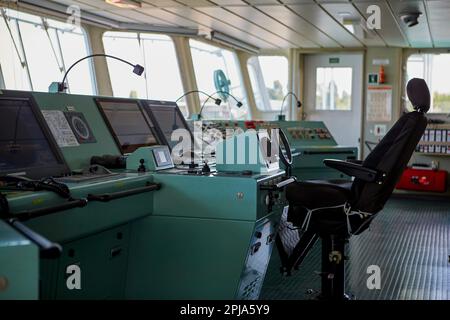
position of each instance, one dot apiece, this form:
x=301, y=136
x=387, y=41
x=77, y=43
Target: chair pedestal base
x=333, y=268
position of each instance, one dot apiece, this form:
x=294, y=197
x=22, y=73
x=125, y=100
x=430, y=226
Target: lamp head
x=239, y=104
x=138, y=69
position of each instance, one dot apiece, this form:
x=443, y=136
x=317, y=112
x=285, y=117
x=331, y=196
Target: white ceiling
x=291, y=23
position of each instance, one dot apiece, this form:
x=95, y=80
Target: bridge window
x=269, y=78
x=333, y=88
x=161, y=80
x=210, y=61
x=434, y=68
x=36, y=51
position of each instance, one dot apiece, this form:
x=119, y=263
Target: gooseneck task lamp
x=281, y=116
x=56, y=87
x=198, y=116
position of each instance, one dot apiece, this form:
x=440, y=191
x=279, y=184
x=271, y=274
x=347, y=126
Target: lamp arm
x=290, y=93
x=91, y=56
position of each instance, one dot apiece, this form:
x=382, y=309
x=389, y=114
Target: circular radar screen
x=80, y=127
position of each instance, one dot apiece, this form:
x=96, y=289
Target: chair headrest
x=418, y=94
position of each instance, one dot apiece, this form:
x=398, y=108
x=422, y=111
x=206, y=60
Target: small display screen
x=162, y=157
x=24, y=146
x=128, y=124
x=167, y=118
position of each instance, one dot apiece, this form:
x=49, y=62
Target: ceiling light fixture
x=126, y=4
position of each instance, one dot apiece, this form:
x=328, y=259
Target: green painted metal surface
x=19, y=265
x=186, y=258
x=78, y=157
x=198, y=237
x=102, y=259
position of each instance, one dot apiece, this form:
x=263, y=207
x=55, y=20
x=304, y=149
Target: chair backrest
x=392, y=153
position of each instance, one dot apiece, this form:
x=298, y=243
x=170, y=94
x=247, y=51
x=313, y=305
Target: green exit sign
x=334, y=60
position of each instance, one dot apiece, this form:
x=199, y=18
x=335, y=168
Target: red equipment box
x=423, y=180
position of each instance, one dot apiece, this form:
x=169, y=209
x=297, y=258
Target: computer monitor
x=27, y=147
x=167, y=118
x=127, y=123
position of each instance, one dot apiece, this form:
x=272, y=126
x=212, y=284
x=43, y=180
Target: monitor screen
x=167, y=118
x=127, y=124
x=26, y=145
x=162, y=157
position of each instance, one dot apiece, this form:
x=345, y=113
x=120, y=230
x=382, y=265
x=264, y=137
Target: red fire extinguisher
x=382, y=77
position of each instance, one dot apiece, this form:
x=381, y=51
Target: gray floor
x=410, y=242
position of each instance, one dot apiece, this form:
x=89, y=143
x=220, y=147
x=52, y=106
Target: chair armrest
x=355, y=170
x=354, y=161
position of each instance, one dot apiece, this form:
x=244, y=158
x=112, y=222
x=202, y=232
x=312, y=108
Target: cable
x=17, y=183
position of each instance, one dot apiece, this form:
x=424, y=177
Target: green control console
x=97, y=189
x=311, y=142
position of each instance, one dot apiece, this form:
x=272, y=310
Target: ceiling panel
x=296, y=1
x=232, y=19
x=128, y=13
x=318, y=17
x=390, y=30
x=94, y=10
x=229, y=2
x=439, y=20
x=164, y=3
x=225, y=28
x=346, y=11
x=291, y=23
x=271, y=24
x=168, y=16
x=419, y=35
x=197, y=3
x=256, y=2
x=289, y=18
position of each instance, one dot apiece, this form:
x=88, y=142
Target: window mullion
x=25, y=61
x=63, y=64
x=142, y=47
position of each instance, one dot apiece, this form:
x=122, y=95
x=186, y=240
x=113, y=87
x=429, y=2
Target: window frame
x=142, y=53
x=404, y=97
x=261, y=84
x=350, y=109
x=57, y=51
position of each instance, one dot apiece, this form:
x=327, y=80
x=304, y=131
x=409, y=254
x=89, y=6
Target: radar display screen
x=127, y=124
x=167, y=118
x=27, y=147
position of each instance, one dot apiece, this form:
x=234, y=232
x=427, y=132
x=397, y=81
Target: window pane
x=124, y=82
x=14, y=75
x=207, y=59
x=44, y=64
x=73, y=46
x=269, y=78
x=161, y=80
x=434, y=68
x=333, y=88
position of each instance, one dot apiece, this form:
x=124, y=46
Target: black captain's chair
x=335, y=211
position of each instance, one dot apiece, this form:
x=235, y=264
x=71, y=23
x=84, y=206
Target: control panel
x=302, y=133
x=299, y=133
x=153, y=158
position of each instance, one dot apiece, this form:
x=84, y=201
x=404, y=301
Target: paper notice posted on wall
x=60, y=128
x=379, y=103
